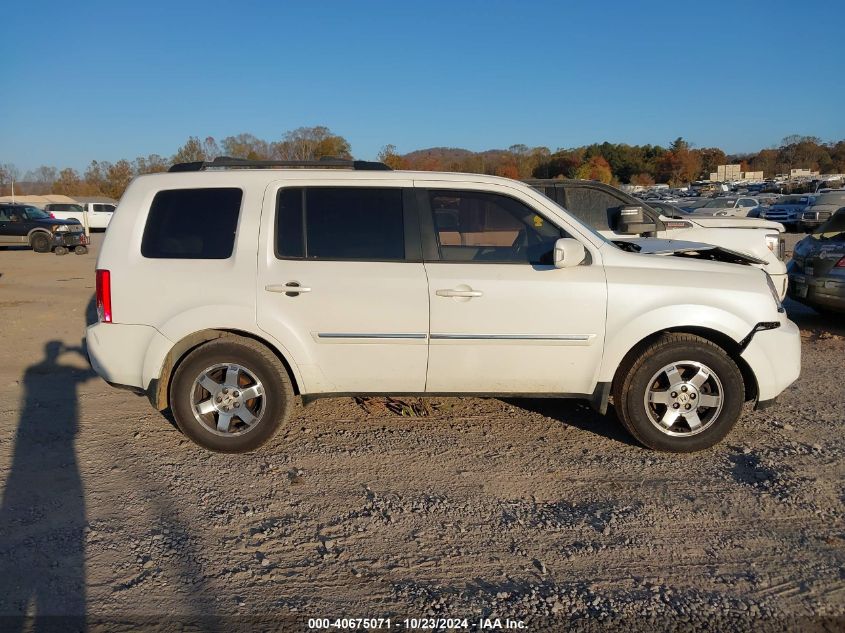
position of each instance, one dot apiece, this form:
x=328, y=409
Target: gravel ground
x=540, y=511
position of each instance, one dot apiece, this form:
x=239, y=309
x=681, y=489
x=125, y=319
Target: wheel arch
x=37, y=230
x=731, y=347
x=159, y=388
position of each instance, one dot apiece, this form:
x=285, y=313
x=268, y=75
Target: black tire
x=40, y=242
x=633, y=380
x=255, y=359
x=80, y=250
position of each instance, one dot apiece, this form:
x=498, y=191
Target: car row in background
x=25, y=225
x=817, y=269
x=94, y=215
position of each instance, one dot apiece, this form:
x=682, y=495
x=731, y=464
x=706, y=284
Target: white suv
x=226, y=289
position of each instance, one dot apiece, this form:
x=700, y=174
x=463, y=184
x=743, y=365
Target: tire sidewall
x=40, y=243
x=733, y=397
x=277, y=394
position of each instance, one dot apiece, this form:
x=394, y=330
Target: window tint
x=107, y=208
x=484, y=227
x=593, y=206
x=4, y=216
x=192, y=224
x=340, y=223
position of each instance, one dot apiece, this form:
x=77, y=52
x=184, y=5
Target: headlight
x=60, y=228
x=772, y=241
x=774, y=291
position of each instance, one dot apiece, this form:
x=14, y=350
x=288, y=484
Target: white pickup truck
x=618, y=216
x=99, y=214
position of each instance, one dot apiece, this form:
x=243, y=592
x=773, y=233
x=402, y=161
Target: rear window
x=355, y=223
x=192, y=224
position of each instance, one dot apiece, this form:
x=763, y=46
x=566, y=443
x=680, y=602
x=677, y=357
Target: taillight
x=104, y=296
x=840, y=263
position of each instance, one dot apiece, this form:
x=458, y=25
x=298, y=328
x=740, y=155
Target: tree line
x=615, y=163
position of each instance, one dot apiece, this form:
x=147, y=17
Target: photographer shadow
x=43, y=514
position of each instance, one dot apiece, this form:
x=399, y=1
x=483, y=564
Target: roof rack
x=244, y=163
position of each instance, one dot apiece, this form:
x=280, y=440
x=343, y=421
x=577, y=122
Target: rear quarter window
x=192, y=224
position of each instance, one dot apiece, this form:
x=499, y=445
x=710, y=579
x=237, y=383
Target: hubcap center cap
x=685, y=395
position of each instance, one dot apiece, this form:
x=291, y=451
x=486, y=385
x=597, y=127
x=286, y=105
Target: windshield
x=33, y=213
x=719, y=203
x=575, y=220
x=833, y=229
x=830, y=198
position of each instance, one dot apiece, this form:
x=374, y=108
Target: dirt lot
x=540, y=511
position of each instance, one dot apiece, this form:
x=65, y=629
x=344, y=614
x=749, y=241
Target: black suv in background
x=22, y=224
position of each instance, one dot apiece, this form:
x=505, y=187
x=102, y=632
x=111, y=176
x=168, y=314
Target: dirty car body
x=817, y=270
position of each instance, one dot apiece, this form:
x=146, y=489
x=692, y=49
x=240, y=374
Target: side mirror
x=633, y=221
x=569, y=253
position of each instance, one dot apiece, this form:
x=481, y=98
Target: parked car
x=616, y=215
x=821, y=208
x=729, y=207
x=28, y=225
x=99, y=214
x=817, y=270
x=787, y=210
x=367, y=281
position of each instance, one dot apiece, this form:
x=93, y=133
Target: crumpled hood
x=728, y=222
x=681, y=248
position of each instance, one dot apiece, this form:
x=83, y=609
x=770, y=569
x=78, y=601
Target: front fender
x=622, y=338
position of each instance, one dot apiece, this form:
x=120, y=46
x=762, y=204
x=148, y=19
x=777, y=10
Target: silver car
x=817, y=269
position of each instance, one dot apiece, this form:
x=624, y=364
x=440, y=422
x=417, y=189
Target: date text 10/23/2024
x=485, y=624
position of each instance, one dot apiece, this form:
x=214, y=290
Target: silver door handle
x=459, y=293
x=291, y=288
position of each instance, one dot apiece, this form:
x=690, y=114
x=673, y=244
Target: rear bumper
x=823, y=292
x=117, y=352
x=775, y=358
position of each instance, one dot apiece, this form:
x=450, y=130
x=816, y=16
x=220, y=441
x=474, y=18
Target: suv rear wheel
x=682, y=393
x=230, y=396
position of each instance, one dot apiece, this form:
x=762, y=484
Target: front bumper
x=66, y=238
x=774, y=357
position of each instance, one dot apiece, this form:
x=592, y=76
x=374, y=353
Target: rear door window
x=192, y=224
x=340, y=223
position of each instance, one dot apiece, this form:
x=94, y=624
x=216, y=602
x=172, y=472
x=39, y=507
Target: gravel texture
x=540, y=511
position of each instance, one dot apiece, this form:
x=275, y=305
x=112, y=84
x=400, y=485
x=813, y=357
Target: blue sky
x=111, y=80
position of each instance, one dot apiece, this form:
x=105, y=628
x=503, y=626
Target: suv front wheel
x=230, y=396
x=682, y=393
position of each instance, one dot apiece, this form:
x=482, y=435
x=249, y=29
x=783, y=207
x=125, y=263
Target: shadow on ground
x=42, y=515
x=578, y=414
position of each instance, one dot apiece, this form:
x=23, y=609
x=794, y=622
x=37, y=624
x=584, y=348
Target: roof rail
x=245, y=163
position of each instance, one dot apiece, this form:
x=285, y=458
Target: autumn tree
x=643, y=180
x=246, y=146
x=151, y=164
x=191, y=152
x=391, y=158
x=68, y=182
x=311, y=143
x=597, y=168
x=116, y=178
